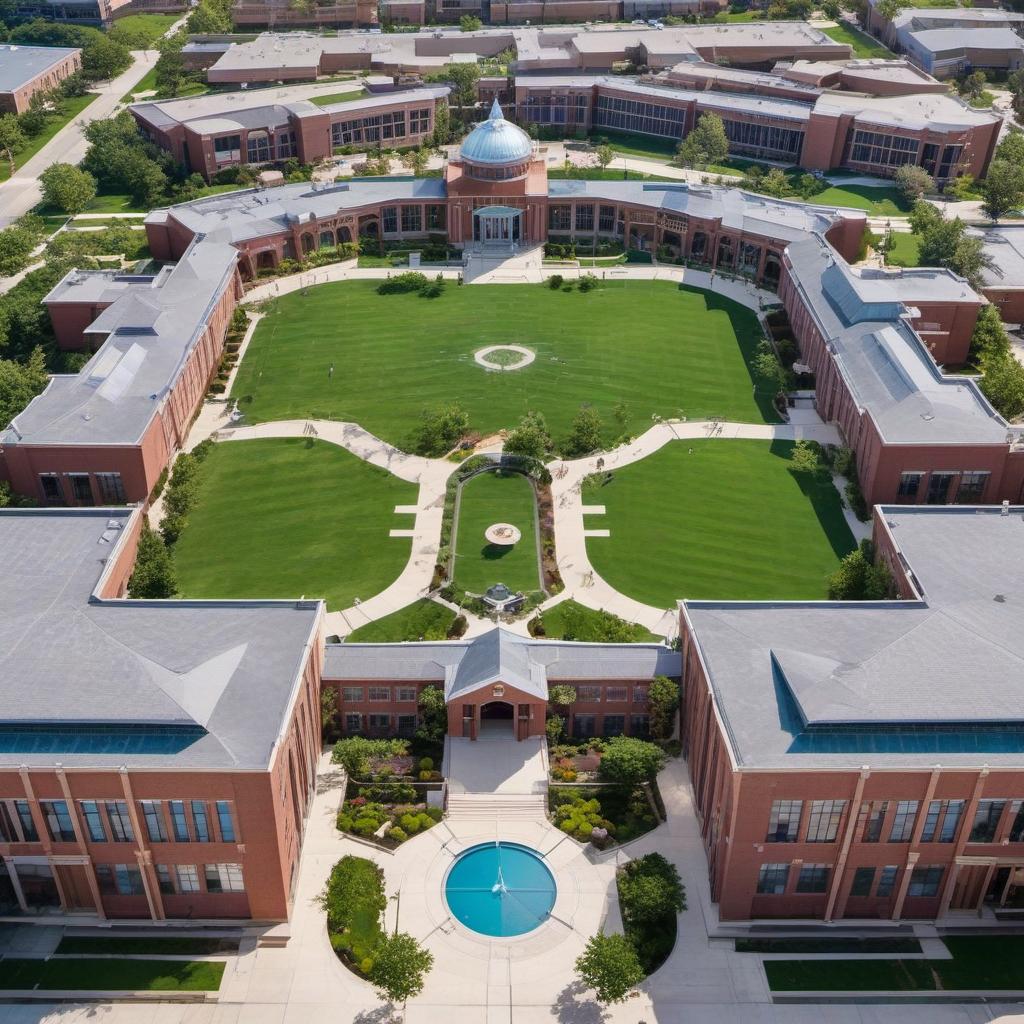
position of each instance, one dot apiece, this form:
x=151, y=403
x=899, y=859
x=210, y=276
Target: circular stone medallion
x=504, y=357
x=504, y=534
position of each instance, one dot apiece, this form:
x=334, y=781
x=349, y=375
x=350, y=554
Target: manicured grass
x=657, y=347
x=146, y=945
x=147, y=83
x=904, y=250
x=421, y=620
x=283, y=517
x=485, y=500
x=588, y=626
x=729, y=521
x=116, y=974
x=878, y=200
x=863, y=44
x=987, y=962
x=338, y=97
x=637, y=145
x=70, y=109
x=608, y=174
x=797, y=946
x=152, y=26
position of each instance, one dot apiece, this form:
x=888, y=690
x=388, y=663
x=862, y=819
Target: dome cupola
x=496, y=149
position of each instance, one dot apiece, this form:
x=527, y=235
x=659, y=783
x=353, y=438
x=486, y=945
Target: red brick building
x=27, y=70
x=866, y=760
x=157, y=758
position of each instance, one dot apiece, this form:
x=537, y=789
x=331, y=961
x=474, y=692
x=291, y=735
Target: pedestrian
x=330, y=372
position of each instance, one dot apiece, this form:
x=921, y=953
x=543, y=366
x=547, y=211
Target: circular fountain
x=500, y=889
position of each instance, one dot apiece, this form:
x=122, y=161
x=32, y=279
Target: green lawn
x=144, y=29
x=878, y=200
x=657, y=347
x=145, y=945
x=279, y=518
x=147, y=83
x=70, y=109
x=496, y=498
x=863, y=44
x=588, y=626
x=830, y=945
x=608, y=174
x=979, y=962
x=338, y=97
x=421, y=620
x=904, y=250
x=115, y=974
x=637, y=145
x=729, y=521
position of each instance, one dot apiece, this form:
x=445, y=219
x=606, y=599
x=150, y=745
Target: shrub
x=355, y=753
x=426, y=821
x=410, y=822
x=555, y=282
x=425, y=776
x=426, y=764
x=458, y=627
x=845, y=463
x=397, y=834
x=354, y=901
x=855, y=499
x=631, y=761
x=153, y=575
x=649, y=889
x=411, y=281
x=588, y=282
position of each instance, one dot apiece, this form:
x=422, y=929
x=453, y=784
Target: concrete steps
x=497, y=807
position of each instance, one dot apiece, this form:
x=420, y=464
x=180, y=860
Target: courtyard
x=716, y=519
x=283, y=517
x=651, y=348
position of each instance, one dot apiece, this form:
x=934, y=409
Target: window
x=58, y=820
x=257, y=147
x=225, y=822
x=863, y=878
x=436, y=218
x=910, y=484
x=406, y=694
x=873, y=816
x=972, y=487
x=286, y=145
x=28, y=826
x=585, y=217
x=352, y=694
x=119, y=880
x=227, y=148
x=52, y=492
x=163, y=877
x=224, y=878
x=583, y=726
x=639, y=694
x=903, y=822
x=925, y=881
x=201, y=821
x=784, y=821
x=885, y=150
x=613, y=725
x=812, y=878
x=111, y=488
x=763, y=139
x=938, y=488
x=105, y=880
x=588, y=694
x=353, y=723
x=772, y=879
x=406, y=725
x=887, y=880
x=945, y=813
x=628, y=115
x=121, y=830
x=823, y=820
x=419, y=121
x=606, y=218
x=8, y=833
x=616, y=694
x=188, y=877
x=986, y=821
x=1016, y=829
x=412, y=218
x=81, y=488
x=179, y=822
x=378, y=724
x=640, y=726
x=390, y=217
x=153, y=814
x=559, y=218
x=380, y=693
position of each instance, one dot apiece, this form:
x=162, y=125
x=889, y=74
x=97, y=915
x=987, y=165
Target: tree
x=585, y=435
x=12, y=138
x=769, y=371
x=888, y=11
x=209, y=19
x=989, y=342
x=440, y=430
x=105, y=58
x=562, y=696
x=945, y=243
x=649, y=889
x=442, y=124
x=1015, y=83
x=153, y=576
x=631, y=761
x=400, y=965
x=20, y=383
x=775, y=183
x=67, y=187
x=706, y=144
x=806, y=457
x=433, y=715
x=912, y=182
x=662, y=701
x=1003, y=385
x=416, y=160
x=973, y=85
x=857, y=579
x=170, y=72
x=16, y=246
x=328, y=708
x=1003, y=188
x=463, y=79
x=610, y=966
x=470, y=23
x=924, y=217
x=531, y=438
x=605, y=155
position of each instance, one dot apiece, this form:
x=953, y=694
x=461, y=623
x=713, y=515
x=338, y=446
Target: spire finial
x=496, y=114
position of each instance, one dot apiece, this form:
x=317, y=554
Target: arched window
x=308, y=243
x=326, y=239
x=725, y=253
x=699, y=246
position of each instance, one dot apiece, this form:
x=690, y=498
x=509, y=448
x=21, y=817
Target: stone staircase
x=497, y=806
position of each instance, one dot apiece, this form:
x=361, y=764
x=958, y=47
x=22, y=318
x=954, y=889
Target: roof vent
x=999, y=599
x=1005, y=510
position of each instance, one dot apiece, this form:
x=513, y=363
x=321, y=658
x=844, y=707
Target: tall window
x=812, y=878
x=188, y=877
x=286, y=145
x=941, y=821
x=886, y=150
x=925, y=881
x=784, y=821
x=606, y=218
x=938, y=488
x=8, y=833
x=863, y=878
x=225, y=822
x=412, y=218
x=164, y=880
x=823, y=820
x=121, y=830
x=873, y=815
x=179, y=821
x=613, y=725
x=389, y=214
x=58, y=820
x=257, y=147
x=153, y=815
x=887, y=880
x=28, y=826
x=201, y=821
x=640, y=726
x=972, y=487
x=559, y=218
x=224, y=878
x=1016, y=829
x=111, y=488
x=228, y=148
x=583, y=726
x=910, y=484
x=903, y=822
x=52, y=491
x=585, y=217
x=419, y=121
x=986, y=821
x=772, y=879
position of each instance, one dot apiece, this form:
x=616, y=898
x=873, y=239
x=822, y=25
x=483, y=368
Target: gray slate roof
x=780, y=671
x=464, y=666
x=226, y=669
x=20, y=64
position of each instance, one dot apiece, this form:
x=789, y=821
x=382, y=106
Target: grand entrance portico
x=499, y=227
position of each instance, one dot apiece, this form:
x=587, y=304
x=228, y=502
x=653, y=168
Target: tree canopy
x=706, y=144
x=610, y=966
x=67, y=187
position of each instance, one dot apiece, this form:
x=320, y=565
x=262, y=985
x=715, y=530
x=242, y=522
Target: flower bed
x=650, y=897
x=617, y=813
x=363, y=817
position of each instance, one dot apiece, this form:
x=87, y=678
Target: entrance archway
x=497, y=720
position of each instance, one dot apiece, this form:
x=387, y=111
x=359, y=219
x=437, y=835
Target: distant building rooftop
x=921, y=682
x=21, y=64
x=92, y=682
